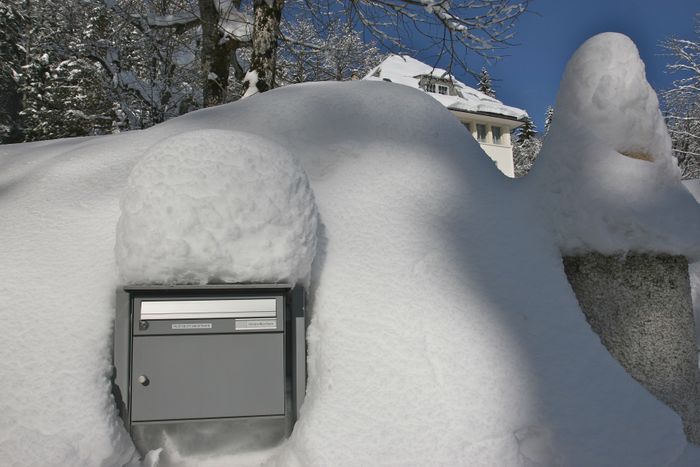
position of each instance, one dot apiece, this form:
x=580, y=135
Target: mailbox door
x=207, y=376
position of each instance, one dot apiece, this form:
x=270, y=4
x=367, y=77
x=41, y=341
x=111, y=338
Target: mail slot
x=214, y=352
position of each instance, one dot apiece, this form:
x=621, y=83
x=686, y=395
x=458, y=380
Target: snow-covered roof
x=408, y=71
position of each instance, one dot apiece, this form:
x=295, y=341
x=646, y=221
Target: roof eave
x=489, y=114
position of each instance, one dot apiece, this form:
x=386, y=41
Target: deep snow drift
x=443, y=329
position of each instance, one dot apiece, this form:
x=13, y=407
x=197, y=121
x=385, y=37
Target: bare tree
x=332, y=51
x=450, y=28
x=141, y=62
x=682, y=102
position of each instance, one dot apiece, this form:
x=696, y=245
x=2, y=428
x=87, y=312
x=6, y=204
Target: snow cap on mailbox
x=216, y=206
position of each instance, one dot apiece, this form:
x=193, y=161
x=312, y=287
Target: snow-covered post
x=625, y=223
x=640, y=306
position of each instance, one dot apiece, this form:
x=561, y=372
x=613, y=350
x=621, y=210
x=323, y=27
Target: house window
x=468, y=126
x=442, y=89
x=480, y=133
x=496, y=134
x=430, y=87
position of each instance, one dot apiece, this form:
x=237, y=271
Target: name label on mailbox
x=245, y=324
x=191, y=326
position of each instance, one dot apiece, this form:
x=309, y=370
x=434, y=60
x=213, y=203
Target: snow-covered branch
x=682, y=101
x=452, y=27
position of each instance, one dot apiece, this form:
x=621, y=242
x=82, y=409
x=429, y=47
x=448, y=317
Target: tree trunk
x=11, y=57
x=266, y=32
x=216, y=56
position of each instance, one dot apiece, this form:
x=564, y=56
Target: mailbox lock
x=144, y=381
x=143, y=325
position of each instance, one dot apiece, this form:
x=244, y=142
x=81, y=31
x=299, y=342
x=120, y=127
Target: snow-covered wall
x=640, y=306
x=693, y=187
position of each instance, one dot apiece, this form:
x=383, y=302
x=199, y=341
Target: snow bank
x=216, y=206
x=59, y=202
x=610, y=182
x=443, y=332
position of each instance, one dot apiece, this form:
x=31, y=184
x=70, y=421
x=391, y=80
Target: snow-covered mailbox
x=208, y=352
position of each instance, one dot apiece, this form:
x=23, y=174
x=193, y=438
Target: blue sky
x=528, y=77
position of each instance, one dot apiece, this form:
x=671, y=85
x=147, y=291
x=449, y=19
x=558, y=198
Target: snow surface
x=216, y=206
x=406, y=70
x=443, y=329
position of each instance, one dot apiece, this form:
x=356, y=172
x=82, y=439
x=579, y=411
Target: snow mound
x=606, y=170
x=443, y=330
x=216, y=206
x=605, y=95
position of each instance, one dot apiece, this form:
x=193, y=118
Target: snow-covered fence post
x=640, y=306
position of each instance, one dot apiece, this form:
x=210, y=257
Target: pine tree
x=526, y=148
x=63, y=93
x=526, y=131
x=485, y=84
x=524, y=155
x=63, y=99
x=548, y=116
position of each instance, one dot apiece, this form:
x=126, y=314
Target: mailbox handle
x=144, y=381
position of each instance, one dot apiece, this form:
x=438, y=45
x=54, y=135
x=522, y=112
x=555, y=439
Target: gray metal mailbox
x=209, y=352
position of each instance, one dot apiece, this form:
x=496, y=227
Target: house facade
x=487, y=119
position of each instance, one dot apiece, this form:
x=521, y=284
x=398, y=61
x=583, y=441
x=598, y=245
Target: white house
x=486, y=118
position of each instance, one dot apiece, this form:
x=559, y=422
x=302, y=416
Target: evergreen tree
x=63, y=99
x=526, y=131
x=524, y=155
x=526, y=148
x=485, y=84
x=549, y=114
x=63, y=93
x=12, y=22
